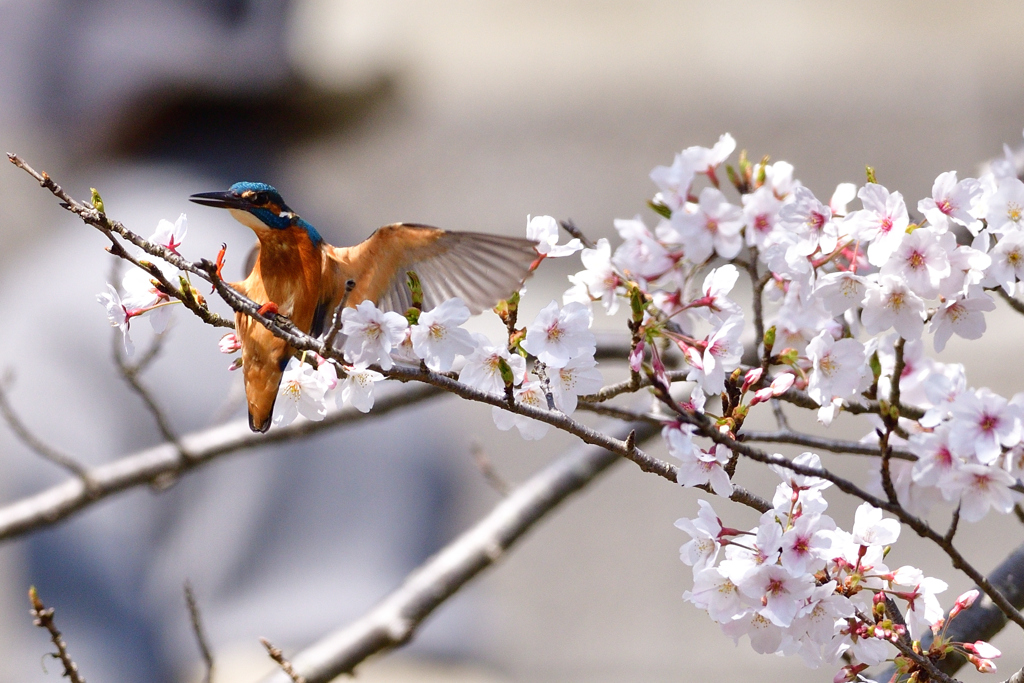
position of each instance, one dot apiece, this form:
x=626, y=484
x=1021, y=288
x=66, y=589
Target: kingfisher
x=299, y=275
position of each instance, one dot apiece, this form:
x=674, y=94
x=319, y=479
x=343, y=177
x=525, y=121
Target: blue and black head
x=262, y=201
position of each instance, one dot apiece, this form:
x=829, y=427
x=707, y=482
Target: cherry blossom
x=718, y=594
x=980, y=488
x=811, y=220
x=558, y=335
x=706, y=160
x=600, y=280
x=142, y=295
x=963, y=317
x=838, y=370
x=983, y=422
x=869, y=528
x=357, y=387
x=781, y=593
x=640, y=254
x=579, y=376
x=437, y=337
x=891, y=303
x=840, y=291
x=921, y=261
x=372, y=334
x=119, y=316
x=1006, y=207
x=883, y=221
x=302, y=392
x=170, y=235
x=702, y=548
x=1007, y=261
x=951, y=200
x=760, y=215
x=721, y=353
x=714, y=226
x=531, y=393
x=483, y=367
x=544, y=229
x=674, y=182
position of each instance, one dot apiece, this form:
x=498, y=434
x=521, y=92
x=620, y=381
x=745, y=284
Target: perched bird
x=298, y=275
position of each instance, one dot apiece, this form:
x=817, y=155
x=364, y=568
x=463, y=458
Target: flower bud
x=963, y=602
x=229, y=343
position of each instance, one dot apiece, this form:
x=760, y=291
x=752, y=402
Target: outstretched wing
x=478, y=268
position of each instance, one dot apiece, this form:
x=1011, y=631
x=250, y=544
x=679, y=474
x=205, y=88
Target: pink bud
x=229, y=343
x=761, y=395
x=782, y=383
x=235, y=364
x=694, y=358
x=659, y=367
x=636, y=357
x=983, y=649
x=753, y=377
x=985, y=666
x=963, y=602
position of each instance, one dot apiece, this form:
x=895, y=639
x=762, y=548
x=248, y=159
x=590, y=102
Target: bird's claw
x=268, y=309
x=220, y=264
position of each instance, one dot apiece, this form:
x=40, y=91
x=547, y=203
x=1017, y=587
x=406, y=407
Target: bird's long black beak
x=220, y=200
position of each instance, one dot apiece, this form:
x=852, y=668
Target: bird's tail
x=263, y=359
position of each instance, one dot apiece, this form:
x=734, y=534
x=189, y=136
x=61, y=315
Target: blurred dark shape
x=212, y=127
x=173, y=80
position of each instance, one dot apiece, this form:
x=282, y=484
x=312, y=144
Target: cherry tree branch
x=160, y=462
x=196, y=620
x=43, y=618
x=394, y=621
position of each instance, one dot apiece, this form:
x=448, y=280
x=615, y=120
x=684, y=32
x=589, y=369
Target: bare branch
x=286, y=666
x=394, y=620
x=1016, y=678
x=43, y=618
x=1015, y=303
x=197, y=629
x=155, y=464
x=37, y=445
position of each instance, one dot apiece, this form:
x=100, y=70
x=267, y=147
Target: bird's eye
x=261, y=198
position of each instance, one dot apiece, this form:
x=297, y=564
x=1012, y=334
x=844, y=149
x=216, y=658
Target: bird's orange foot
x=269, y=308
x=220, y=264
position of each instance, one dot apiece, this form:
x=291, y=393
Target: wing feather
x=478, y=268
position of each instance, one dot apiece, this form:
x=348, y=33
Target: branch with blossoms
x=842, y=299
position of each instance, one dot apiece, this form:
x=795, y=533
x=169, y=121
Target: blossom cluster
x=797, y=584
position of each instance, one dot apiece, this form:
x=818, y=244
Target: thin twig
x=953, y=524
x=43, y=618
x=197, y=629
x=780, y=415
x=286, y=666
x=1015, y=303
x=571, y=228
x=891, y=421
x=486, y=467
x=130, y=373
x=36, y=445
x=336, y=317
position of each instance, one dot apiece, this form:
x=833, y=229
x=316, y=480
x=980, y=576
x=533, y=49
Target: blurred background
x=466, y=114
